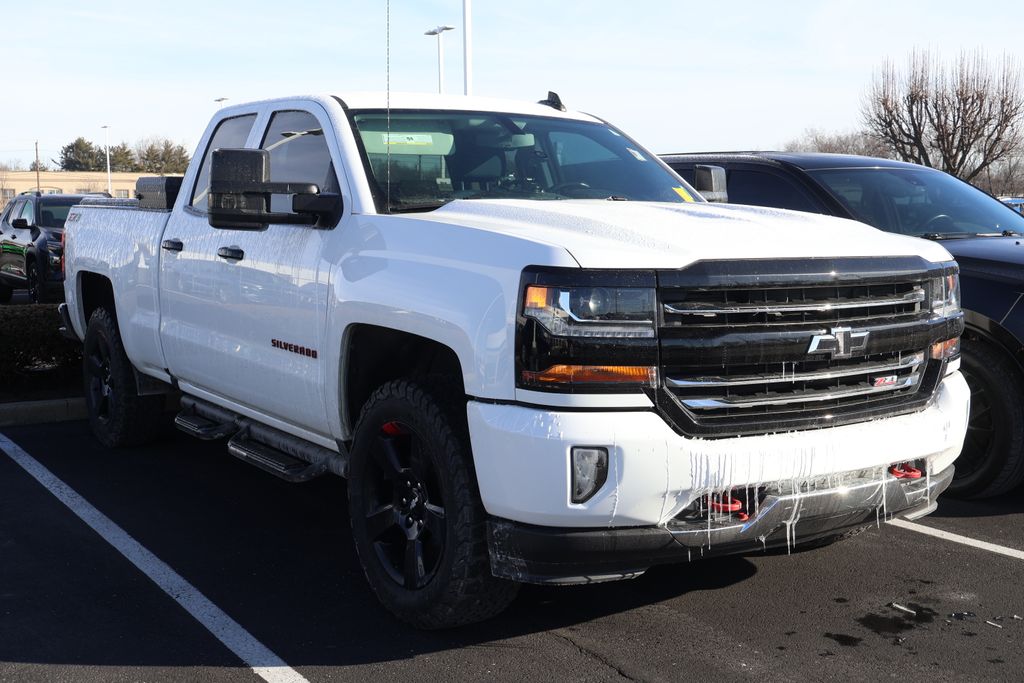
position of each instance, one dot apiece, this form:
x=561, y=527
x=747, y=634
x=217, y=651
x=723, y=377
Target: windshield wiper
x=617, y=198
x=937, y=236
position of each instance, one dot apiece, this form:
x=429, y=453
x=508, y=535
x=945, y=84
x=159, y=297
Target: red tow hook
x=727, y=503
x=905, y=471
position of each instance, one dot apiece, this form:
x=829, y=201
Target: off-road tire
x=117, y=414
x=461, y=589
x=992, y=460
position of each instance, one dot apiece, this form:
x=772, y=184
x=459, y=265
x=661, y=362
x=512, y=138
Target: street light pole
x=440, y=53
x=467, y=47
x=106, y=142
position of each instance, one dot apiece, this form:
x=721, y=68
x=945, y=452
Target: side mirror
x=710, y=182
x=20, y=224
x=240, y=191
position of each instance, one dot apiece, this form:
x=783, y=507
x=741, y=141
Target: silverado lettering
x=294, y=348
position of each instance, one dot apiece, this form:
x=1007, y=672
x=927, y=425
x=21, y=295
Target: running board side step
x=201, y=428
x=269, y=459
x=284, y=455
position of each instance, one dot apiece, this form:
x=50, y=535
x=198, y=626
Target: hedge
x=29, y=341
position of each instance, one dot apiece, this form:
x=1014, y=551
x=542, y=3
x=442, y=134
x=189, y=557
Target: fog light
x=589, y=472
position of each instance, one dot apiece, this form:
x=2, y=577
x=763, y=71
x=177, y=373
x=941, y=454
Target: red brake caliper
x=391, y=429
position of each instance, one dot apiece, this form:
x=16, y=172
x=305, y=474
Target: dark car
x=985, y=236
x=31, y=251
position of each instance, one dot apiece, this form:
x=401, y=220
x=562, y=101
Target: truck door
x=16, y=242
x=243, y=311
x=7, y=241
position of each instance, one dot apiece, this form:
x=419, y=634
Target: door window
x=298, y=154
x=12, y=212
x=760, y=188
x=230, y=134
x=28, y=212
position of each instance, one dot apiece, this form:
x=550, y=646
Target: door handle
x=172, y=245
x=231, y=253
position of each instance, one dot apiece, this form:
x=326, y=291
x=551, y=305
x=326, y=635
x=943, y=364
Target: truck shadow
x=1007, y=504
x=276, y=557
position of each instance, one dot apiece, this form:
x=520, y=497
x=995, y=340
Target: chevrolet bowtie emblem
x=841, y=343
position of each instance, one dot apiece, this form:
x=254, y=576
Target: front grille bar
x=708, y=309
x=798, y=397
x=911, y=360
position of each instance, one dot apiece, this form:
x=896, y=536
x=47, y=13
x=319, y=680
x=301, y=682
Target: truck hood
x=992, y=258
x=611, y=234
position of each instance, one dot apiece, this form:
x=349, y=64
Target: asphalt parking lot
x=277, y=559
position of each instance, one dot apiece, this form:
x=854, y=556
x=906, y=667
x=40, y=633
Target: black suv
x=985, y=236
x=31, y=251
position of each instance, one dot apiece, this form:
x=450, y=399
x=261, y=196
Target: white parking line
x=255, y=654
x=957, y=538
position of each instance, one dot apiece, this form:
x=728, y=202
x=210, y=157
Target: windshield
x=53, y=212
x=433, y=157
x=922, y=202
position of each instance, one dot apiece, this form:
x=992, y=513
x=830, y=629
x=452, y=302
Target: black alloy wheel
x=98, y=385
x=403, y=506
x=32, y=283
x=418, y=524
x=118, y=415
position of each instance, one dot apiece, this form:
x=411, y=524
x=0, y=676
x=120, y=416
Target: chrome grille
x=739, y=358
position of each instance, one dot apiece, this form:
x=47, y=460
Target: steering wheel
x=941, y=218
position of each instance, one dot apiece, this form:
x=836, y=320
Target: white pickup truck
x=534, y=351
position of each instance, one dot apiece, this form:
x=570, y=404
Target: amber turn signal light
x=592, y=374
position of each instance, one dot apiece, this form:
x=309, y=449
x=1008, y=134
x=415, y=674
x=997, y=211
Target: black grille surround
x=735, y=343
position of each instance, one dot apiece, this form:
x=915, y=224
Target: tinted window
x=12, y=211
x=760, y=188
x=299, y=154
x=28, y=212
x=420, y=160
x=53, y=213
x=231, y=133
x=918, y=201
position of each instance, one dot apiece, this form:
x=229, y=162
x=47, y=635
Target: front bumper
x=787, y=517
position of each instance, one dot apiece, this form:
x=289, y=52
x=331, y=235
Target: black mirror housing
x=240, y=192
x=20, y=224
x=710, y=182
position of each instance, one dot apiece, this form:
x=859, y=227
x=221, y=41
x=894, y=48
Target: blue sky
x=678, y=76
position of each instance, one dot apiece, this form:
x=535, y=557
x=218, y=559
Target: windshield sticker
x=681, y=191
x=407, y=139
x=637, y=155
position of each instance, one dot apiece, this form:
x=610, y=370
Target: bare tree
x=853, y=142
x=960, y=119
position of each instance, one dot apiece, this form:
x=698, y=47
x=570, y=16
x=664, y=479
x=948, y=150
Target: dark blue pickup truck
x=985, y=236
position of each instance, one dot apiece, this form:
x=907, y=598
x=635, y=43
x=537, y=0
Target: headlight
x=586, y=331
x=592, y=311
x=946, y=294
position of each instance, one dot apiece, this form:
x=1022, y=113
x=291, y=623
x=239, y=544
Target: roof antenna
x=387, y=103
x=553, y=101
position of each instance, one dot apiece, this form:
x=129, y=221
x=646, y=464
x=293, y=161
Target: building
x=13, y=183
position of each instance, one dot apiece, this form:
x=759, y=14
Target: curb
x=36, y=412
